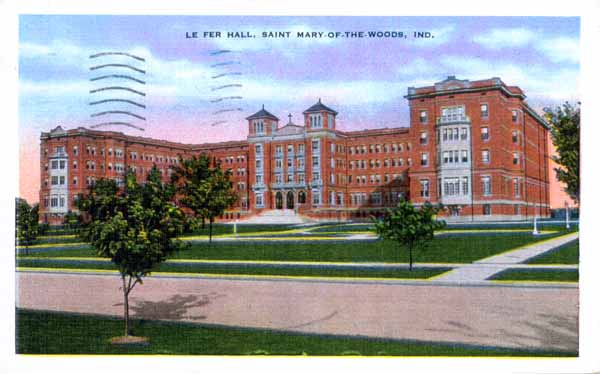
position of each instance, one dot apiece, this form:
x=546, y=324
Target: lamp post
x=535, y=230
x=567, y=225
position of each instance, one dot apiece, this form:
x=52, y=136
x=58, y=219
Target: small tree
x=564, y=130
x=72, y=220
x=135, y=227
x=410, y=227
x=27, y=223
x=205, y=190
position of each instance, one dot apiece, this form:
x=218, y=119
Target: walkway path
x=483, y=269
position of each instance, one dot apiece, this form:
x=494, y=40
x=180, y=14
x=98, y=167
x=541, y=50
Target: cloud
x=555, y=85
x=507, y=37
x=561, y=49
x=556, y=49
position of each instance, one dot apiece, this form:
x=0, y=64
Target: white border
x=589, y=360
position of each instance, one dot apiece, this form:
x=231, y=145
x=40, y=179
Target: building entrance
x=278, y=200
x=290, y=200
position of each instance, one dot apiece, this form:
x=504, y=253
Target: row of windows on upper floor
x=457, y=113
x=118, y=153
x=452, y=186
x=378, y=148
x=373, y=164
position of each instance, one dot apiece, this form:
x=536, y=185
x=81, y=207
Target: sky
x=195, y=92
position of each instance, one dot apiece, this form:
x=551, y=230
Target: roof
x=290, y=129
x=320, y=107
x=263, y=113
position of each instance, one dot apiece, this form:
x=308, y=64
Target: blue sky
x=363, y=79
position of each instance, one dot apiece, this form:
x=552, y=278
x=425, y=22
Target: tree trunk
x=203, y=223
x=126, y=307
x=210, y=223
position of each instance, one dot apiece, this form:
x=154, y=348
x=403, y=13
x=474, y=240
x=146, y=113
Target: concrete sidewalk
x=485, y=268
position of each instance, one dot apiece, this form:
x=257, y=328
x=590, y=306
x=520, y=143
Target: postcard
x=299, y=186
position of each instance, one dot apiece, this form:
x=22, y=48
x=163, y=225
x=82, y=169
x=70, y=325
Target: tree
x=220, y=195
x=72, y=220
x=410, y=227
x=207, y=191
x=27, y=225
x=136, y=227
x=564, y=130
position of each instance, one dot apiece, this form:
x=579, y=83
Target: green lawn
x=566, y=254
x=556, y=275
x=446, y=249
x=416, y=273
x=219, y=229
x=61, y=333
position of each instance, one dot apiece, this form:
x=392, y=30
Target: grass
x=443, y=249
x=60, y=333
x=305, y=271
x=565, y=254
x=553, y=275
x=220, y=229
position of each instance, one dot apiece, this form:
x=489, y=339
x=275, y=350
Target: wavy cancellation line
x=118, y=101
x=123, y=76
x=118, y=66
x=118, y=88
x=118, y=112
x=120, y=123
x=117, y=54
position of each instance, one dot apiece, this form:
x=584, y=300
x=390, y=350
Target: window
x=258, y=163
x=278, y=164
x=259, y=179
x=515, y=158
x=423, y=116
x=316, y=176
x=301, y=197
x=290, y=148
x=259, y=200
x=446, y=158
x=515, y=137
x=484, y=111
x=516, y=187
x=464, y=156
x=301, y=163
x=463, y=133
x=62, y=164
x=375, y=198
x=258, y=149
x=301, y=178
x=54, y=164
x=279, y=150
x=486, y=183
x=290, y=163
x=423, y=139
x=445, y=134
x=278, y=178
x=456, y=156
x=485, y=134
x=315, y=161
x=465, y=185
x=424, y=188
x=75, y=181
x=62, y=180
x=301, y=149
x=75, y=150
x=515, y=116
x=485, y=156
x=424, y=159
x=316, y=146
x=455, y=133
x=316, y=121
x=316, y=195
x=487, y=210
x=55, y=180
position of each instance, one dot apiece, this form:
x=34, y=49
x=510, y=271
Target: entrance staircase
x=277, y=216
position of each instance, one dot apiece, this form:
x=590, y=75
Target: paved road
x=541, y=318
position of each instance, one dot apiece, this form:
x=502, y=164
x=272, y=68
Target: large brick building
x=474, y=146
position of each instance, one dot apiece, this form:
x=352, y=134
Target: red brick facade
x=474, y=146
